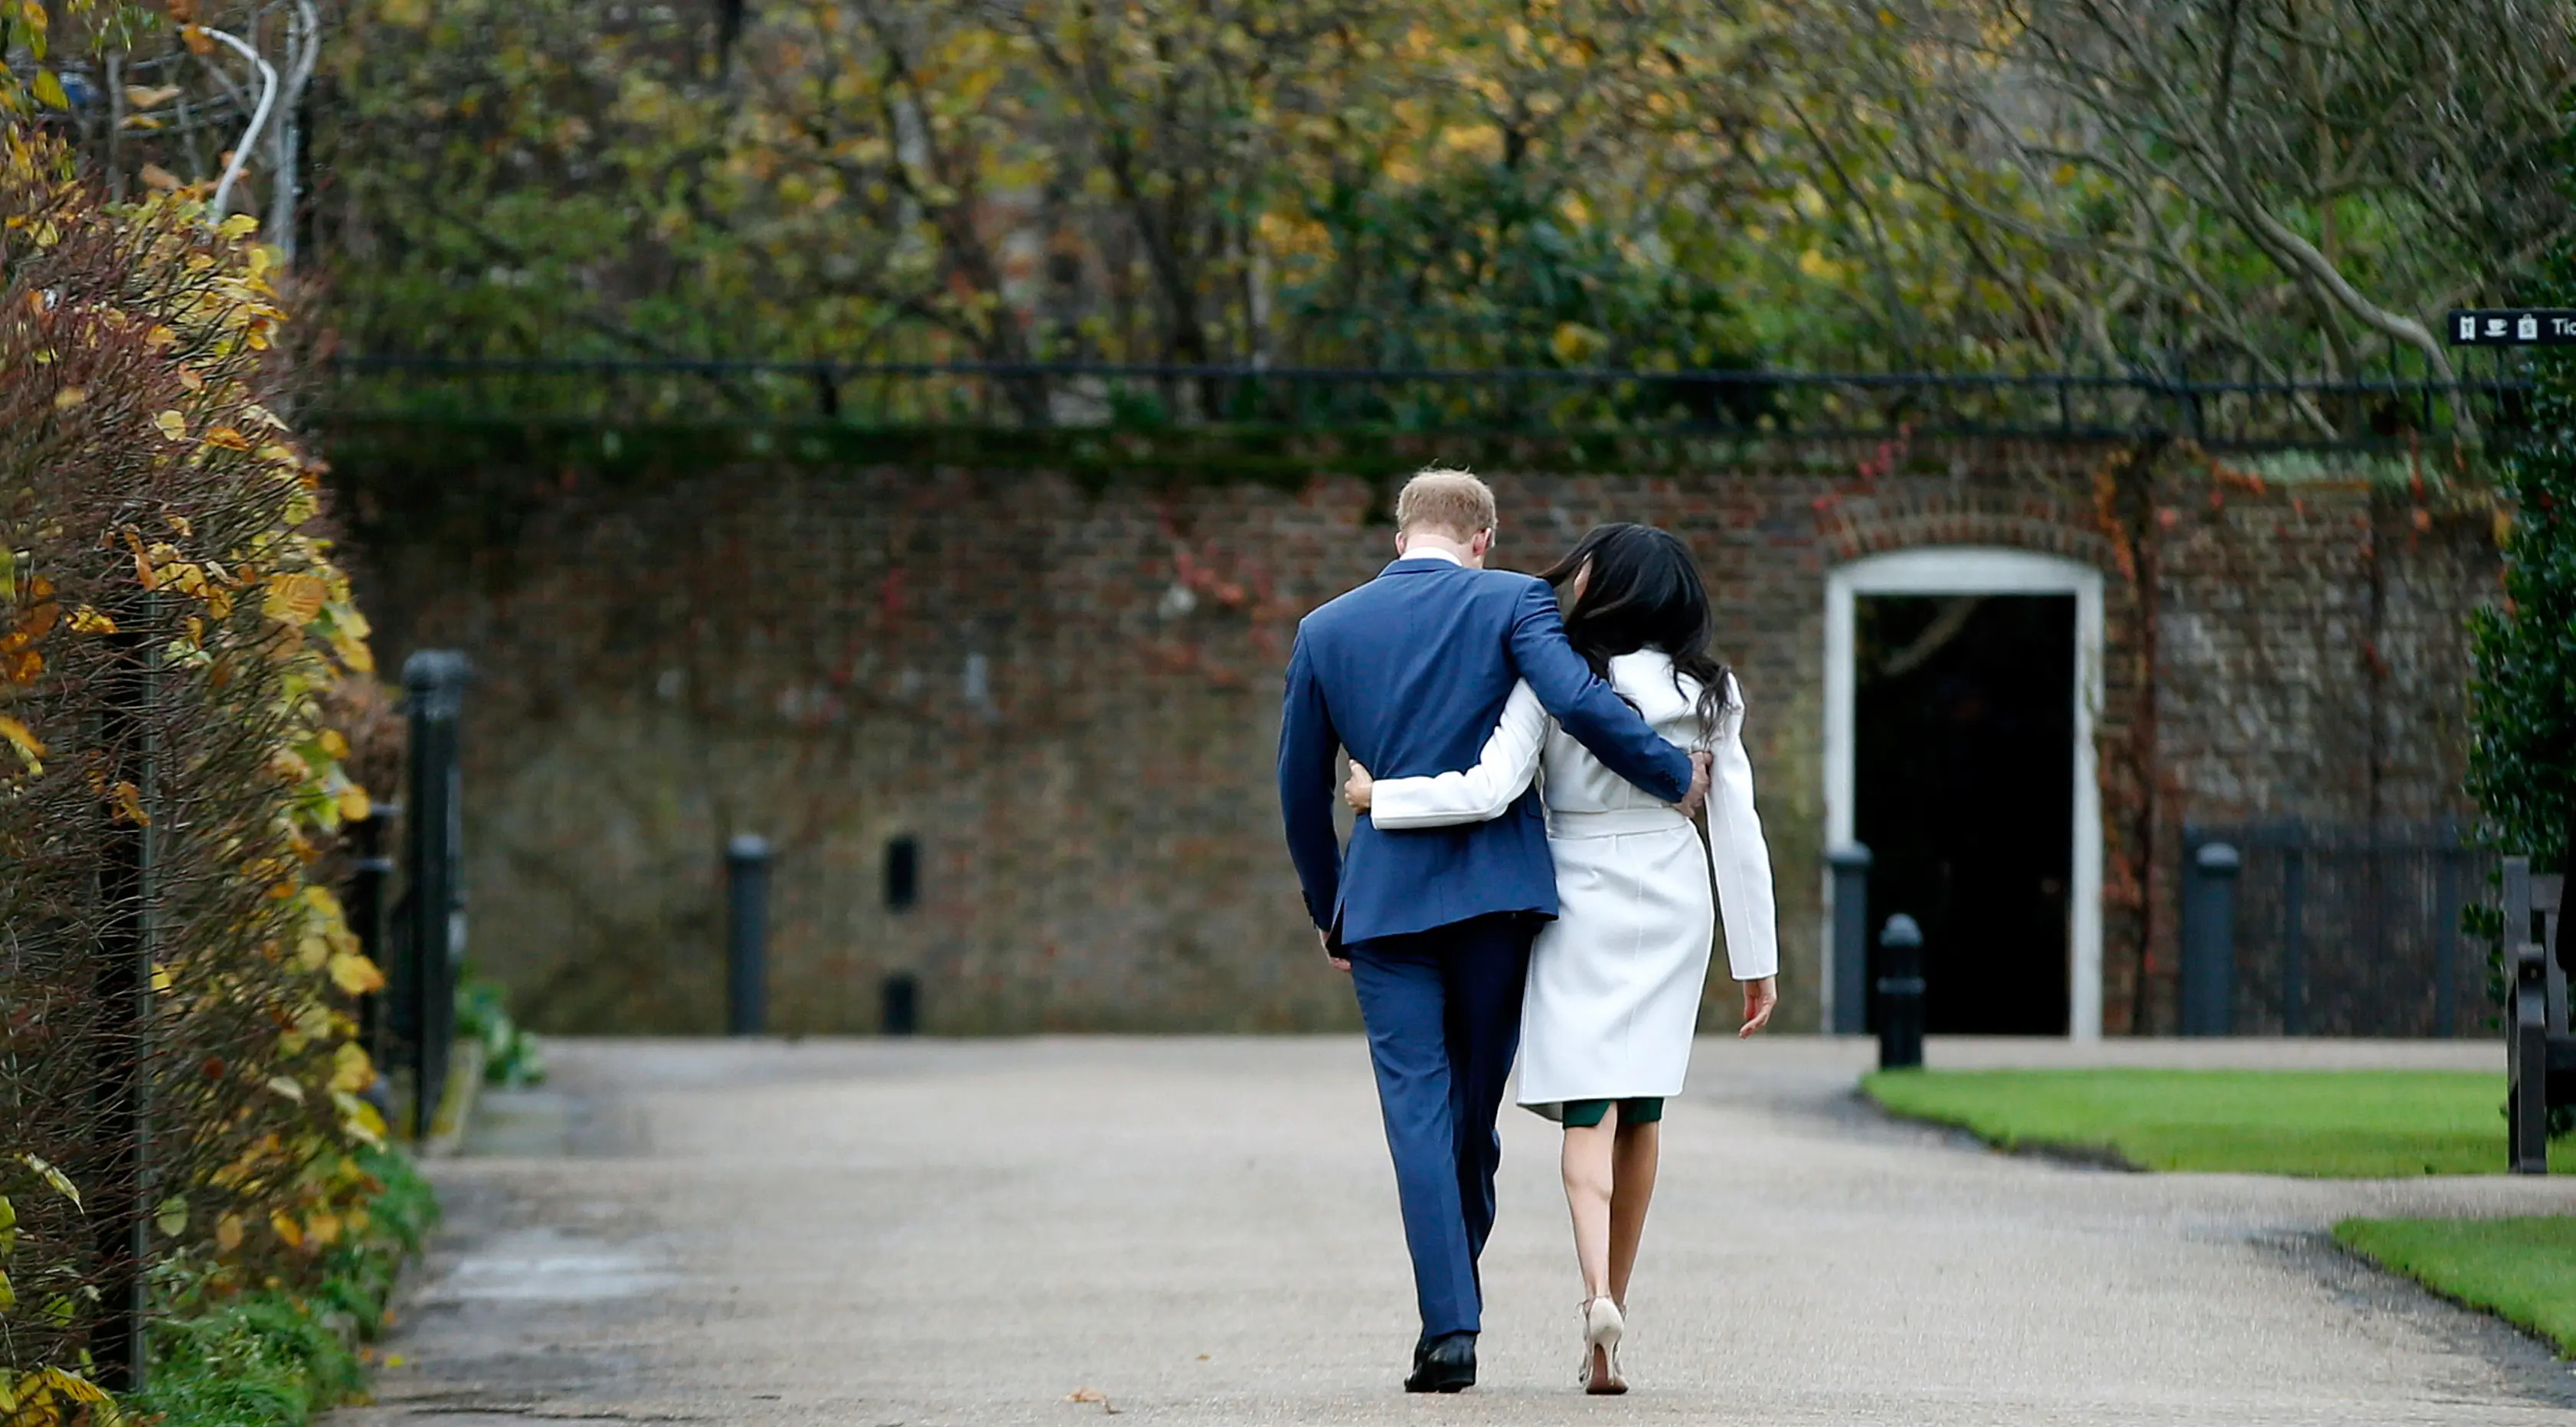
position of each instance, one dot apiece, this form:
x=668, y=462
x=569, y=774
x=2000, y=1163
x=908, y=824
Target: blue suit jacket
x=1410, y=672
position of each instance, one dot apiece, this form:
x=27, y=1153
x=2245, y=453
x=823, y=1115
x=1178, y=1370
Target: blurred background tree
x=2268, y=188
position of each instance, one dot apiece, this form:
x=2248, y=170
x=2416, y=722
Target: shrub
x=172, y=630
x=2522, y=697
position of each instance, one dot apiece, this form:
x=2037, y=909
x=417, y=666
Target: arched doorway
x=1961, y=688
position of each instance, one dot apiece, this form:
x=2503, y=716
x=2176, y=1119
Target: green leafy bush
x=272, y=1357
x=511, y=1055
x=2522, y=699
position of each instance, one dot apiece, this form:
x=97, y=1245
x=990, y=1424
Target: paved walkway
x=1203, y=1231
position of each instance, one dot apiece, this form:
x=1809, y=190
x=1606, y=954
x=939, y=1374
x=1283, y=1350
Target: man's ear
x=1400, y=539
x=1482, y=542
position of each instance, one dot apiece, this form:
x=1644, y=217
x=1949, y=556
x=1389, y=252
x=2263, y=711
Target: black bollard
x=421, y=1006
x=1900, y=994
x=902, y=1004
x=2209, y=940
x=1851, y=938
x=746, y=935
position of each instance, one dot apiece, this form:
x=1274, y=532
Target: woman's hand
x=1355, y=790
x=1759, y=997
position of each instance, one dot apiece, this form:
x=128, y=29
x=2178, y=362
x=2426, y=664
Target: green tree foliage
x=2522, y=700
x=2272, y=188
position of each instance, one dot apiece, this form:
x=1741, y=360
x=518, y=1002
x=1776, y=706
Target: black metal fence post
x=120, y=1219
x=1850, y=866
x=433, y=947
x=1900, y=994
x=746, y=935
x=2294, y=939
x=2446, y=934
x=370, y=911
x=2526, y=1029
x=2209, y=939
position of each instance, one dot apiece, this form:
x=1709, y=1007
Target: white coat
x=1614, y=986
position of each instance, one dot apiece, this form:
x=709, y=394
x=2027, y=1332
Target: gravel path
x=880, y=1233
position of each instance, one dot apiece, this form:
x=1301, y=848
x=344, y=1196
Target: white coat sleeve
x=1741, y=860
x=1478, y=794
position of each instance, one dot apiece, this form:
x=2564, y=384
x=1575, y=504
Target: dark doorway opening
x=1964, y=793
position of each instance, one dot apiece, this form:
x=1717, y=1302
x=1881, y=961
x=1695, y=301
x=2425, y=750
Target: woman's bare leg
x=1586, y=1165
x=1634, y=1152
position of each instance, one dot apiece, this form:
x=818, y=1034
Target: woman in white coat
x=1614, y=983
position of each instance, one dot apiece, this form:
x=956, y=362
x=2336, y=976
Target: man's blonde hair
x=1453, y=502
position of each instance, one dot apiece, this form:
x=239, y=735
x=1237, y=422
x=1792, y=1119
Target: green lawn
x=2361, y=1124
x=2520, y=1269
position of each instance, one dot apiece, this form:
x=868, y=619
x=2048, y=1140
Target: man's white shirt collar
x=1433, y=552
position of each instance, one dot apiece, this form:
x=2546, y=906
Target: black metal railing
x=2324, y=930
x=2063, y=405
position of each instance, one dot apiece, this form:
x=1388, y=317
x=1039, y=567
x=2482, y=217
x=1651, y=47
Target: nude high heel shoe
x=1603, y=1326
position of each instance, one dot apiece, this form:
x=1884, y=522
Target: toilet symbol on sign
x=2528, y=329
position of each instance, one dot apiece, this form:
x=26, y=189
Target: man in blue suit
x=1410, y=672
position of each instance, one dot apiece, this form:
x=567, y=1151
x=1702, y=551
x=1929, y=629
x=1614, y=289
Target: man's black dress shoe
x=1443, y=1364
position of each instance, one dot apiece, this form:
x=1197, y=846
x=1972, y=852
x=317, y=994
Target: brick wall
x=1063, y=682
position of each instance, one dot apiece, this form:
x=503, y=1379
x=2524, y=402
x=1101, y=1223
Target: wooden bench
x=2540, y=1051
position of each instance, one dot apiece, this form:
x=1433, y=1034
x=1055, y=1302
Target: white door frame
x=1979, y=570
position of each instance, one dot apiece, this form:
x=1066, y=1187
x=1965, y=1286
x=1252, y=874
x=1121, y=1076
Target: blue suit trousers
x=1443, y=1012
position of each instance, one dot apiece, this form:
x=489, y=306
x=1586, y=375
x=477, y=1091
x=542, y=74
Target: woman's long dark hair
x=1643, y=593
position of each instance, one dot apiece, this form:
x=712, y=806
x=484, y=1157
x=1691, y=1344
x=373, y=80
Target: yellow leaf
x=228, y=438
x=74, y=1386
x=240, y=225
x=295, y=599
x=172, y=1217
x=356, y=975
x=351, y=1070
x=30, y=747
x=86, y=620
x=1573, y=342
x=228, y=1232
x=355, y=805
x=128, y=802
x=359, y=1120
x=287, y=1229
x=141, y=97
x=49, y=90
x=285, y=1088
x=61, y=1182
x=173, y=425
x=163, y=179
x=8, y=1295
x=70, y=397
